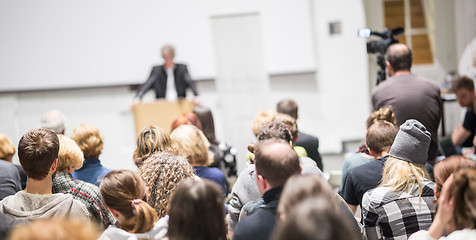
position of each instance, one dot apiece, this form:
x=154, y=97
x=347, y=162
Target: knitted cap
x=411, y=143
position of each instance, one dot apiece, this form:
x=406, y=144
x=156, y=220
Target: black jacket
x=158, y=81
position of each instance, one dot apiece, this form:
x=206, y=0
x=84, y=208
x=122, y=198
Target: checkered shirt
x=85, y=192
x=387, y=214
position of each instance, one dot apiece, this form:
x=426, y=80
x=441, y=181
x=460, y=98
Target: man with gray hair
x=54, y=120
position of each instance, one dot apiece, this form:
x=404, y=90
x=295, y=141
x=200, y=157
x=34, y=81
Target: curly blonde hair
x=6, y=147
x=151, y=139
x=260, y=119
x=89, y=139
x=70, y=155
x=162, y=173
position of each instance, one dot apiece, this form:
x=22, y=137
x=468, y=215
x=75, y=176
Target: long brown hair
x=125, y=192
x=197, y=211
x=444, y=168
x=463, y=190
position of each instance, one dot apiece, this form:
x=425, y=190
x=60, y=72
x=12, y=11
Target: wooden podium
x=159, y=113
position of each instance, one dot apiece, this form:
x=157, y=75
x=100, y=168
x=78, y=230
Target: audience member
x=224, y=155
x=411, y=96
x=291, y=124
x=275, y=162
x=71, y=158
x=162, y=173
x=444, y=168
x=379, y=139
x=196, y=211
x=9, y=180
x=316, y=218
x=261, y=119
x=464, y=133
x=56, y=229
x=245, y=189
x=308, y=142
x=7, y=150
x=456, y=213
x=38, y=154
x=126, y=197
x=54, y=120
x=7, y=224
x=362, y=156
x=190, y=144
x=151, y=139
x=90, y=140
x=404, y=201
x=187, y=118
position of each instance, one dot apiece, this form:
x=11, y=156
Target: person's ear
x=371, y=153
x=114, y=212
x=54, y=165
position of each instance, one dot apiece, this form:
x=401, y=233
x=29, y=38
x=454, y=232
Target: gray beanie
x=411, y=143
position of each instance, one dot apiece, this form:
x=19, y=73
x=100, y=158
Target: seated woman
x=404, y=201
x=71, y=158
x=126, y=197
x=90, y=140
x=151, y=139
x=444, y=168
x=456, y=209
x=162, y=173
x=196, y=211
x=192, y=145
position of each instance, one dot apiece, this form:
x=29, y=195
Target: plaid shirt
x=387, y=214
x=85, y=192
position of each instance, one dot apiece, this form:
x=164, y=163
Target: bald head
x=399, y=56
x=276, y=161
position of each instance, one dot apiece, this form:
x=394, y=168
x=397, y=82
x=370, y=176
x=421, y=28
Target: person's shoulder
x=307, y=137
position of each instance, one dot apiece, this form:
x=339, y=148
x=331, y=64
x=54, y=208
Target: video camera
x=380, y=46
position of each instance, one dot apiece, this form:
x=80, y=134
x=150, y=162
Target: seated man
x=463, y=134
x=276, y=161
x=379, y=139
x=71, y=158
x=38, y=154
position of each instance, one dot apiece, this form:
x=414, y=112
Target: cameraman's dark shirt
x=469, y=123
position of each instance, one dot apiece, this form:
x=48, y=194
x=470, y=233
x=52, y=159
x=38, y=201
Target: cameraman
x=411, y=96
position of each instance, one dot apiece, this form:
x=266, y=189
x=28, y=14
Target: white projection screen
x=54, y=44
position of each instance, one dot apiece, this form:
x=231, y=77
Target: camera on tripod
x=380, y=46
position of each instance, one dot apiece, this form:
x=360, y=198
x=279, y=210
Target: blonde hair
x=162, y=173
x=56, y=229
x=70, y=155
x=6, y=147
x=191, y=144
x=260, y=119
x=151, y=139
x=89, y=139
x=400, y=175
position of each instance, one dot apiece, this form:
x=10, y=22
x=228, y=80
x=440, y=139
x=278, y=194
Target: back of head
x=399, y=56
x=197, y=211
x=299, y=187
x=380, y=136
x=125, y=192
x=289, y=107
x=444, y=168
x=186, y=119
x=383, y=114
x=316, y=218
x=37, y=150
x=7, y=150
x=56, y=228
x=290, y=123
x=191, y=144
x=70, y=155
x=53, y=120
x=464, y=194
x=162, y=172
x=462, y=83
x=275, y=129
x=151, y=139
x=89, y=139
x=276, y=161
x=260, y=119
x=208, y=125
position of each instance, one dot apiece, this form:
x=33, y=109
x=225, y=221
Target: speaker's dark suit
x=158, y=80
x=311, y=144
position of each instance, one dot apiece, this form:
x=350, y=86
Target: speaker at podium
x=159, y=113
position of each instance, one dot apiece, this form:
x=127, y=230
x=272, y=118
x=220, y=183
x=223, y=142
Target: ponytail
x=144, y=215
